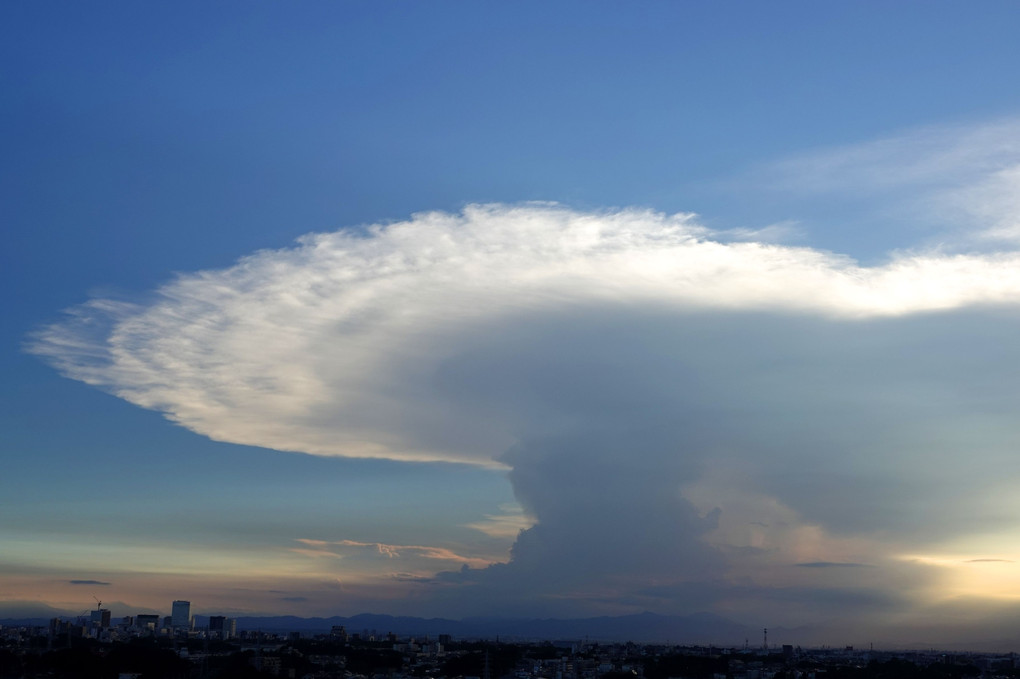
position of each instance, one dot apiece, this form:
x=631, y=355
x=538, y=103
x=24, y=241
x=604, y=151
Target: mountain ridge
x=645, y=627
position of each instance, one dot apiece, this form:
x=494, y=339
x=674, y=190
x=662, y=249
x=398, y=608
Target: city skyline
x=459, y=310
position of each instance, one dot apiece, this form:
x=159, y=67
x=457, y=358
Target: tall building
x=180, y=615
x=222, y=626
x=216, y=626
x=100, y=618
x=147, y=621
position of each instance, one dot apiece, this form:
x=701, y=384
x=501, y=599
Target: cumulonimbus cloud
x=750, y=406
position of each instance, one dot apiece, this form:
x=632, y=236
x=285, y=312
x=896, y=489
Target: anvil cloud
x=339, y=346
x=688, y=420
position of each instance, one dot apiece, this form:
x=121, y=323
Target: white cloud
x=614, y=362
x=330, y=347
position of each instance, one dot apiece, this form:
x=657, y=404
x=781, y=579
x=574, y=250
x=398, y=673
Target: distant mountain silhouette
x=643, y=627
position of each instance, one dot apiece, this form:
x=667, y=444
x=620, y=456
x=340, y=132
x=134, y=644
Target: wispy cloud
x=505, y=525
x=89, y=582
x=390, y=551
x=960, y=184
x=832, y=564
x=781, y=232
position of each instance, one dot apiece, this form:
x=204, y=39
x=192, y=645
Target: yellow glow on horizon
x=975, y=575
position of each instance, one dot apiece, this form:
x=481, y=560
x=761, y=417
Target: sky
x=547, y=310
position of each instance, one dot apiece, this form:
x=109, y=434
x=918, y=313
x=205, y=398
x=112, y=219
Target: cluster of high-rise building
x=180, y=622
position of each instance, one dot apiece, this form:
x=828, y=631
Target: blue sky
x=708, y=226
